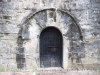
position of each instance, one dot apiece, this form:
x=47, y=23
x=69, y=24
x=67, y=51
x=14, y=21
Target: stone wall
x=78, y=20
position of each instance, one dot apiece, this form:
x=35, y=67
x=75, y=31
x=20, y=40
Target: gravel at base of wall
x=54, y=72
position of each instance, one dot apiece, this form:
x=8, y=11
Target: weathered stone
x=22, y=21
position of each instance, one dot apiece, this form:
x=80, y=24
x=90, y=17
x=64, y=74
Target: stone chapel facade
x=50, y=33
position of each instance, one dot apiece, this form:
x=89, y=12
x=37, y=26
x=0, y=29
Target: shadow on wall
x=76, y=52
x=20, y=56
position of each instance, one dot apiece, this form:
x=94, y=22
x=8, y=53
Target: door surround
x=32, y=28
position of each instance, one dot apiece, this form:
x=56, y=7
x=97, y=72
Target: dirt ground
x=54, y=72
x=69, y=72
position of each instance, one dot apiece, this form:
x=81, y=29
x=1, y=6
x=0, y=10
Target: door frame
x=64, y=49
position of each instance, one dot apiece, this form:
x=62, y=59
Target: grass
x=2, y=69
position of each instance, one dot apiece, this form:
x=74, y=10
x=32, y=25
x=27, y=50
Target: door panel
x=50, y=48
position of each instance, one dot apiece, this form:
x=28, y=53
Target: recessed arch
x=25, y=21
x=31, y=23
x=51, y=47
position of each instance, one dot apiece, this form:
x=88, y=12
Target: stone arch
x=31, y=30
x=29, y=17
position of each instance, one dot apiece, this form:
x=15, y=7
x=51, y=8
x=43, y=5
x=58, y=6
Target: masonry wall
x=17, y=16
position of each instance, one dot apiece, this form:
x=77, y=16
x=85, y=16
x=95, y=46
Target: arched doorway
x=51, y=48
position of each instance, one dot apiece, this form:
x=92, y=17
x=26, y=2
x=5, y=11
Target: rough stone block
x=17, y=19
